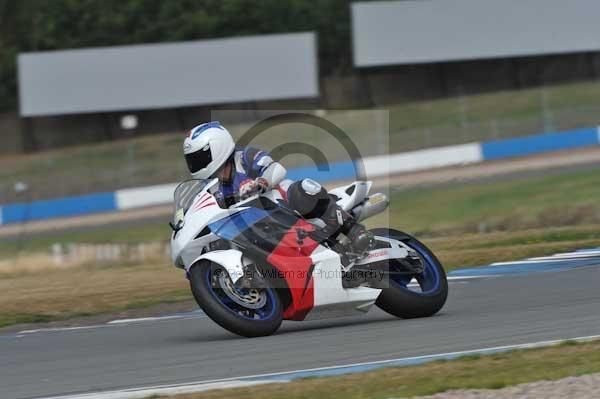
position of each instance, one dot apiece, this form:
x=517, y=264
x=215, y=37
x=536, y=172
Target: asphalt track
x=521, y=306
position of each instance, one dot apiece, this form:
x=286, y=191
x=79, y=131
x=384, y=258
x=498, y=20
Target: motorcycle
x=258, y=262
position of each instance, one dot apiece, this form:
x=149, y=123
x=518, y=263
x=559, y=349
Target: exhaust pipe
x=373, y=205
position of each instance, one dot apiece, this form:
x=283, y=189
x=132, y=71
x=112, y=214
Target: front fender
x=230, y=259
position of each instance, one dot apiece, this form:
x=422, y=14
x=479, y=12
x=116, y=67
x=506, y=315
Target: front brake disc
x=248, y=298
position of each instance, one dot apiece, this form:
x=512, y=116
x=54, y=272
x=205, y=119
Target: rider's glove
x=262, y=184
x=247, y=188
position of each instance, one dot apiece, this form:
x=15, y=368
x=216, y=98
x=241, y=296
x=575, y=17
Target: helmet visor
x=198, y=160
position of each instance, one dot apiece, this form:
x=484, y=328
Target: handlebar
x=246, y=200
x=239, y=200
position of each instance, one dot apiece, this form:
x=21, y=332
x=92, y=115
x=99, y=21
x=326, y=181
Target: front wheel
x=421, y=295
x=246, y=312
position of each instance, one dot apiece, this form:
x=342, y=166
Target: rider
x=210, y=152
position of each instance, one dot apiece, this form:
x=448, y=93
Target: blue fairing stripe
x=206, y=126
x=230, y=227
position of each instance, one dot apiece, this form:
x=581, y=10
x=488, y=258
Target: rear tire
x=402, y=302
x=207, y=297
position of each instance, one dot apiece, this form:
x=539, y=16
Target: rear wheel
x=412, y=296
x=246, y=312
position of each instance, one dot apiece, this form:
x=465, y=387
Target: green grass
x=157, y=159
x=514, y=104
x=472, y=372
x=568, y=198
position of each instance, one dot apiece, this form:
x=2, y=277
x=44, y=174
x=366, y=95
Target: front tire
x=398, y=299
x=211, y=295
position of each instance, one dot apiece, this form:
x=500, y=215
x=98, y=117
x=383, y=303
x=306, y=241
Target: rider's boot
x=361, y=239
x=339, y=221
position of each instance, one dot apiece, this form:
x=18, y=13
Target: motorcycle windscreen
x=257, y=230
x=232, y=226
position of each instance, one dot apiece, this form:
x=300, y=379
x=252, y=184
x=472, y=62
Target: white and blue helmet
x=207, y=148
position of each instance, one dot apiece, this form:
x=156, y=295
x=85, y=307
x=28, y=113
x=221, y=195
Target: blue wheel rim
x=429, y=280
x=264, y=313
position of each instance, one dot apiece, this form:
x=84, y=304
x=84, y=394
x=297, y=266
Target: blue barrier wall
x=333, y=171
x=61, y=207
x=491, y=150
x=539, y=143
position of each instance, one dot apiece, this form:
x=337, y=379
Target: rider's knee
x=309, y=198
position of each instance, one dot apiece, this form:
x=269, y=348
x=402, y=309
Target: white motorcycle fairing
x=230, y=259
x=351, y=195
x=319, y=293
x=330, y=298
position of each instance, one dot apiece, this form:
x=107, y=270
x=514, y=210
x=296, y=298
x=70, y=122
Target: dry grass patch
x=60, y=294
x=454, y=259
x=84, y=255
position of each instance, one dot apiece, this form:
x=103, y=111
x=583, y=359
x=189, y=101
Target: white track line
x=191, y=315
x=454, y=278
x=559, y=257
x=157, y=318
x=55, y=329
x=142, y=392
x=165, y=390
x=527, y=262
x=451, y=278
x=582, y=255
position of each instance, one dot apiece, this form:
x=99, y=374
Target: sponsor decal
x=377, y=254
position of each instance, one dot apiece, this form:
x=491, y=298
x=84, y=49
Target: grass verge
x=471, y=372
x=557, y=199
x=61, y=294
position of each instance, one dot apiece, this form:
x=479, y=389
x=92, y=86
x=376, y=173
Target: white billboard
x=149, y=76
x=423, y=31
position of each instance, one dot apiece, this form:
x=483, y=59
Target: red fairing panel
x=293, y=260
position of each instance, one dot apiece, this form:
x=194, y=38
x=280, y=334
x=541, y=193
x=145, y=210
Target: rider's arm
x=263, y=168
x=273, y=174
